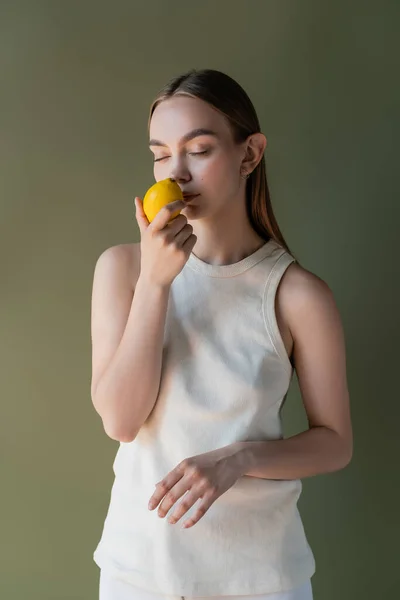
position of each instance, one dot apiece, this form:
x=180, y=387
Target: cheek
x=217, y=172
x=159, y=171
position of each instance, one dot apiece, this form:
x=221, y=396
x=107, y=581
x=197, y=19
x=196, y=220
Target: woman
x=196, y=332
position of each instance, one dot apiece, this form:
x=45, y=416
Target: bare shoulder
x=124, y=258
x=303, y=297
x=303, y=284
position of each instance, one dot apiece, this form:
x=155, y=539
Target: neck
x=226, y=238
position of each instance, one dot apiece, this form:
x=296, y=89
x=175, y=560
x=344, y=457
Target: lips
x=189, y=197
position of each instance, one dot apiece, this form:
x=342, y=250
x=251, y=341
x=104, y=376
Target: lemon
x=161, y=193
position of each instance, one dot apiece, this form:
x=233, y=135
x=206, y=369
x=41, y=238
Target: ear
x=254, y=148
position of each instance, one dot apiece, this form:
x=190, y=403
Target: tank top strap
x=282, y=261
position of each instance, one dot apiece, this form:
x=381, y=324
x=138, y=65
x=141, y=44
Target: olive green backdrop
x=77, y=79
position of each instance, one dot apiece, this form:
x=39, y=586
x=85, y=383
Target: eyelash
x=191, y=153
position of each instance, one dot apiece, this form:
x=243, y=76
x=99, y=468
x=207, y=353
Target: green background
x=77, y=79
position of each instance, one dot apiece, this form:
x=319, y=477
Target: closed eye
x=191, y=153
x=199, y=153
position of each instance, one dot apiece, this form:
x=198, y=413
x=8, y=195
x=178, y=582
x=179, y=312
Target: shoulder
x=304, y=298
x=123, y=259
x=302, y=284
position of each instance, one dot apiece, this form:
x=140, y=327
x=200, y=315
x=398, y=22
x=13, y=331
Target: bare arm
x=127, y=343
x=319, y=357
x=128, y=325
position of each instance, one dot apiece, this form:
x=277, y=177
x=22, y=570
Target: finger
x=183, y=235
x=176, y=492
x=184, y=505
x=175, y=226
x=207, y=501
x=190, y=243
x=163, y=216
x=163, y=487
x=141, y=218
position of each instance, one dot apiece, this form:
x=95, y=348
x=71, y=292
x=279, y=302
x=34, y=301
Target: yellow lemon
x=161, y=193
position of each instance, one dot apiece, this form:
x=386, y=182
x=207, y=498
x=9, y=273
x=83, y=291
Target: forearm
x=312, y=452
x=127, y=391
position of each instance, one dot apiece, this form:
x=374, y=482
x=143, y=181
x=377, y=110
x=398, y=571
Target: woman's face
x=193, y=144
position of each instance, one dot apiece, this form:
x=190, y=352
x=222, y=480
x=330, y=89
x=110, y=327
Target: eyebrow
x=186, y=138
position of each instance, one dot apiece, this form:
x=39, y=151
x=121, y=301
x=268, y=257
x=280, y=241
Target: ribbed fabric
x=225, y=376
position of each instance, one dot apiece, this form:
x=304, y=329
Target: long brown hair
x=229, y=98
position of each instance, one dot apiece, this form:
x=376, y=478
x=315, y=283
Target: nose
x=179, y=178
x=179, y=173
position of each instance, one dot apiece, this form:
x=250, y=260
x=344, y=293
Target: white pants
x=114, y=589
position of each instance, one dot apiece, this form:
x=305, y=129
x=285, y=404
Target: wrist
x=151, y=286
x=240, y=457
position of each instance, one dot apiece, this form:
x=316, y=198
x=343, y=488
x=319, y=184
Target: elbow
x=348, y=457
x=113, y=427
x=348, y=449
x=345, y=456
x=339, y=452
x=118, y=433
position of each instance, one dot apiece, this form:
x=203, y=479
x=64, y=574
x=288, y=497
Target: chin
x=191, y=212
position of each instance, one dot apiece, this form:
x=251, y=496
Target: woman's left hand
x=206, y=476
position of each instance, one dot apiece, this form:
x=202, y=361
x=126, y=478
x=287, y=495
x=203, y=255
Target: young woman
x=196, y=332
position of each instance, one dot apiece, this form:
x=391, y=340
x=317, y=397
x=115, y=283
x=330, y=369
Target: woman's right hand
x=165, y=247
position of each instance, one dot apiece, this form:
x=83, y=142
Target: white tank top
x=225, y=376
